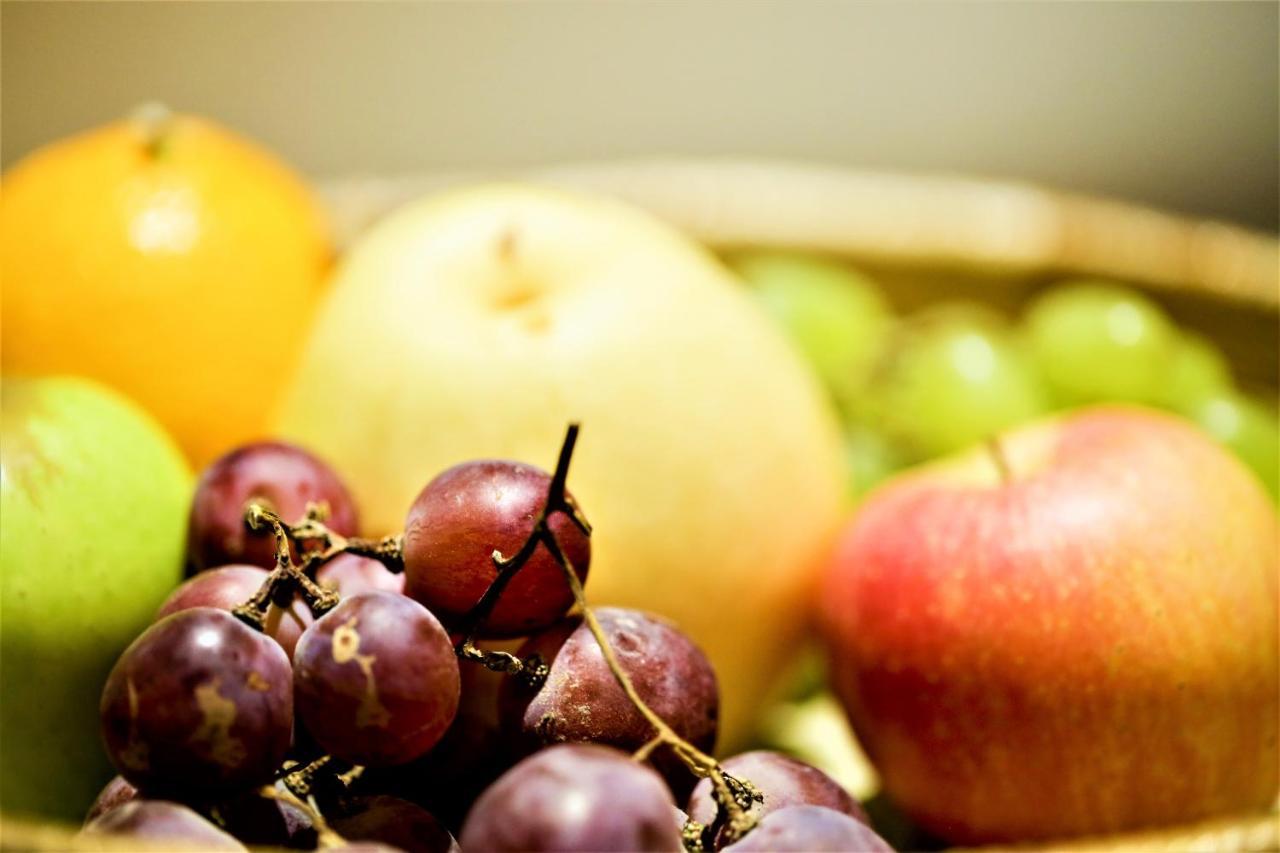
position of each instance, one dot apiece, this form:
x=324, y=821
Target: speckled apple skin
x=1088, y=648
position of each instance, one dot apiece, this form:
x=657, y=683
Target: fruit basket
x=922, y=238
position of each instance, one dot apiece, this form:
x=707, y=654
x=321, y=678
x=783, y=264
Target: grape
x=267, y=822
x=376, y=679
x=808, y=829
x=1247, y=426
x=394, y=822
x=1098, y=341
x=1196, y=370
x=458, y=521
x=783, y=781
x=287, y=477
x=869, y=458
x=349, y=574
x=199, y=703
x=230, y=586
x=573, y=797
x=954, y=377
x=581, y=701
x=836, y=316
x=472, y=753
x=159, y=821
x=114, y=793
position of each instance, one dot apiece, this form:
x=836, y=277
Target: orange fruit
x=170, y=258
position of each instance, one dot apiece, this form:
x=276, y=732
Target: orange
x=169, y=258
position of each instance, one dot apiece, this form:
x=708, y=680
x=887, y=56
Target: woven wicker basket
x=924, y=238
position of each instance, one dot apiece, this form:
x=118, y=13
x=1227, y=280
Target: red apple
x=1081, y=640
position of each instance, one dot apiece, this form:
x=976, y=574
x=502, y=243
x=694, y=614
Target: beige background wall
x=1175, y=104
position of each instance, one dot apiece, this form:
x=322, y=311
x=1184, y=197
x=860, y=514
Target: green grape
x=1248, y=426
x=837, y=317
x=869, y=457
x=1098, y=341
x=955, y=376
x=1196, y=370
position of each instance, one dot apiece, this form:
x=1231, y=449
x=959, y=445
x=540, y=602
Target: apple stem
x=996, y=451
x=733, y=796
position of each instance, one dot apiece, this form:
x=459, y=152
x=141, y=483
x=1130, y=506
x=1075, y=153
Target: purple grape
x=266, y=822
x=809, y=829
x=230, y=586
x=200, y=704
x=114, y=793
x=783, y=781
x=376, y=680
x=455, y=525
x=350, y=574
x=393, y=822
x=157, y=821
x=581, y=700
x=574, y=797
x=287, y=477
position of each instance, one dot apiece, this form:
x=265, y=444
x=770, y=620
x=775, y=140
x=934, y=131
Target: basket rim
x=911, y=219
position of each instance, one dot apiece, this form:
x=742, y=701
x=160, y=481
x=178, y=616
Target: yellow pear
x=479, y=323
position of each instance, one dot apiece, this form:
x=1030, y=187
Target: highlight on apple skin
x=1078, y=637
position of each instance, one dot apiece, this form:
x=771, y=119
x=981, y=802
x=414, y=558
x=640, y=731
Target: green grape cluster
x=912, y=388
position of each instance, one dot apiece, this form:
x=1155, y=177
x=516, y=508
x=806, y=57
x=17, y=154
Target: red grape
x=376, y=679
x=783, y=781
x=394, y=822
x=582, y=701
x=349, y=574
x=199, y=703
x=157, y=821
x=287, y=477
x=114, y=793
x=461, y=518
x=574, y=797
x=809, y=829
x=230, y=586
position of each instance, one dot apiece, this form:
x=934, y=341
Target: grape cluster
x=315, y=688
x=955, y=374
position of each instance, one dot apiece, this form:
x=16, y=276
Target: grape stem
x=285, y=578
x=733, y=796
x=324, y=833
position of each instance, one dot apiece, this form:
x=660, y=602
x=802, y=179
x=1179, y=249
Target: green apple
x=478, y=323
x=835, y=315
x=955, y=375
x=869, y=458
x=94, y=498
x=1096, y=341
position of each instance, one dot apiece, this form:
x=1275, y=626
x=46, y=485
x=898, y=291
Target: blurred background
x=1174, y=104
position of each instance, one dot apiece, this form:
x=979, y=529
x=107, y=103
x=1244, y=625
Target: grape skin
x=809, y=829
x=394, y=822
x=350, y=574
x=376, y=680
x=114, y=793
x=286, y=476
x=783, y=781
x=228, y=587
x=200, y=704
x=574, y=797
x=461, y=518
x=581, y=701
x=156, y=821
